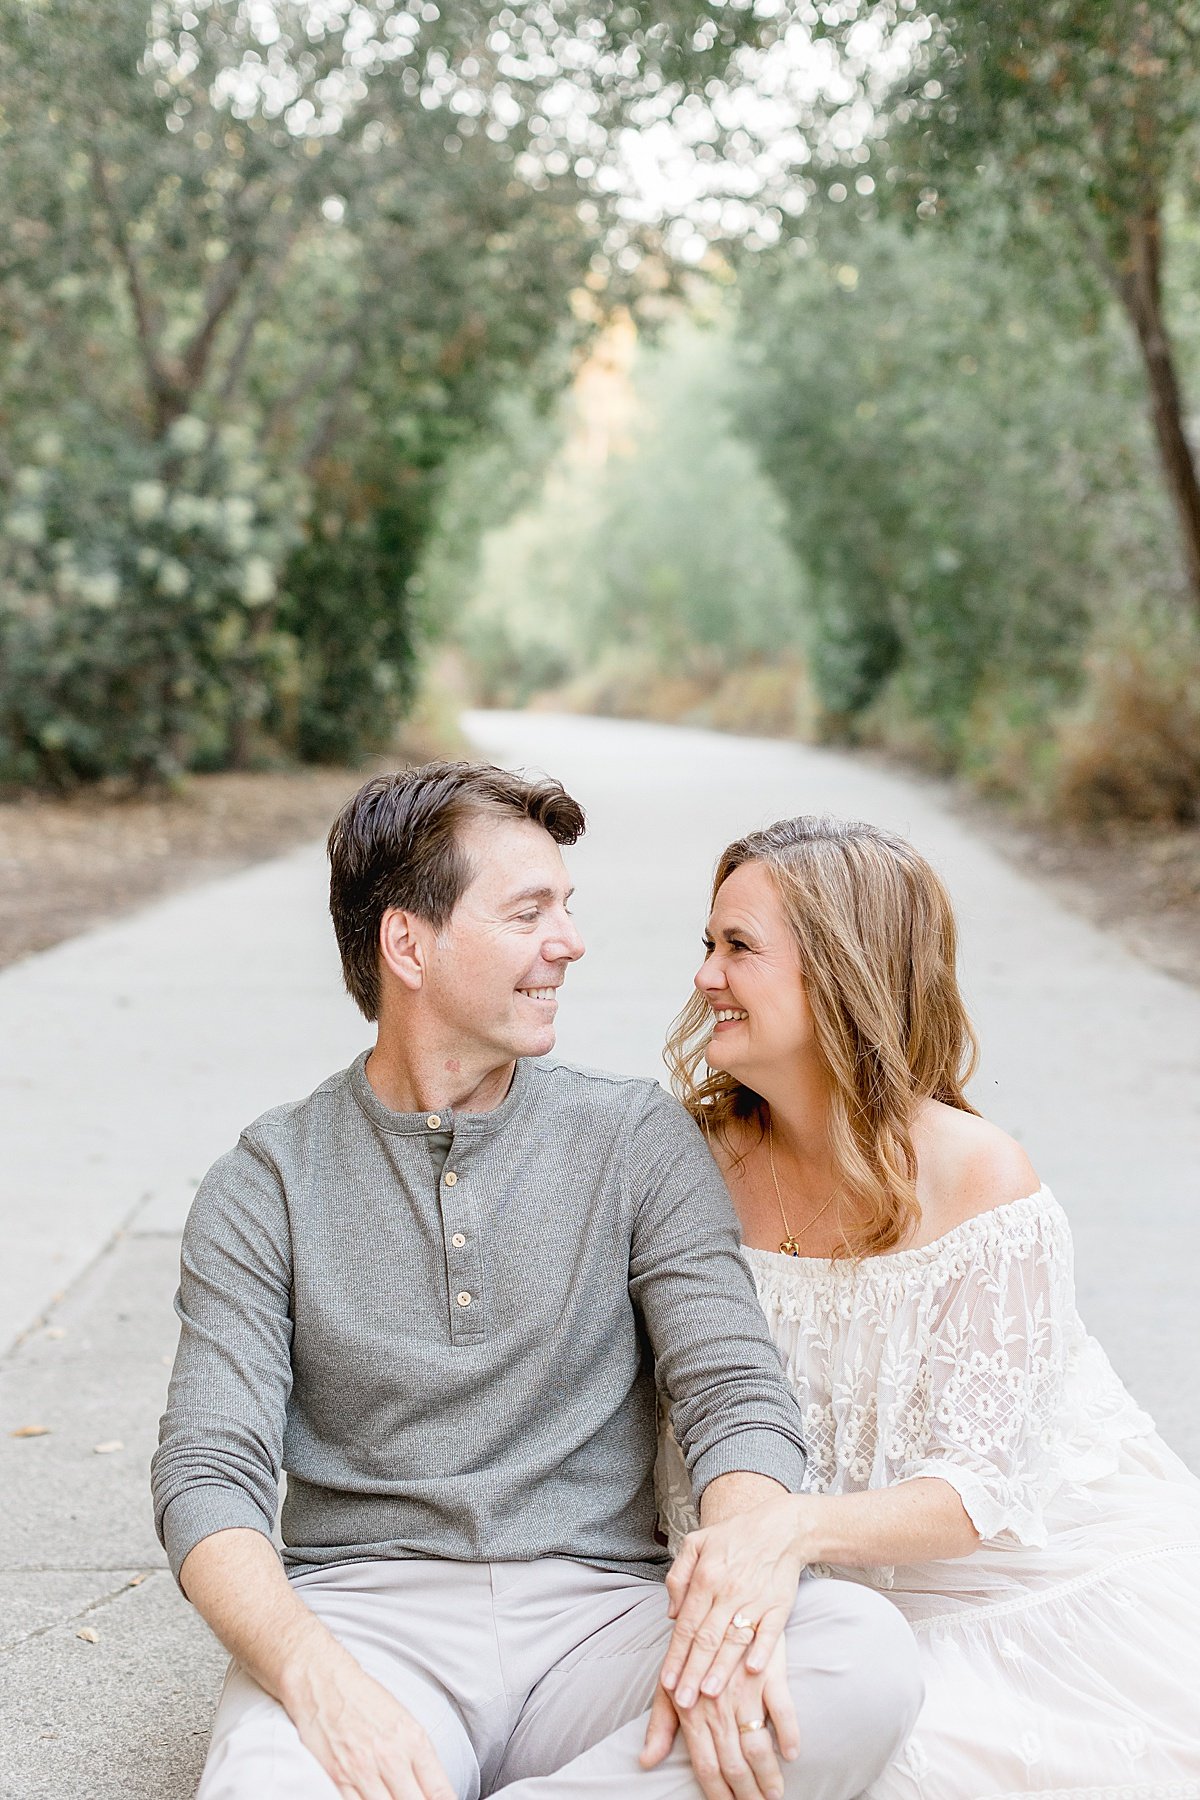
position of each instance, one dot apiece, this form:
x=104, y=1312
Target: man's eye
x=529, y=918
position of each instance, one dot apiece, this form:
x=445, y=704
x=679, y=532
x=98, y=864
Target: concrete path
x=131, y=1056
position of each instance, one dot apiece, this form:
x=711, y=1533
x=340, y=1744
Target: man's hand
x=731, y=1764
x=747, y=1566
x=368, y=1744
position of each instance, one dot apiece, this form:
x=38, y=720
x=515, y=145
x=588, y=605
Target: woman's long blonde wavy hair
x=877, y=943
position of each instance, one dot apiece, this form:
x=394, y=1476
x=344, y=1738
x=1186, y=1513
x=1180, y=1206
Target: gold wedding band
x=753, y=1725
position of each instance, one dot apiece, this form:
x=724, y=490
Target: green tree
x=341, y=229
x=671, y=547
x=966, y=485
x=1081, y=116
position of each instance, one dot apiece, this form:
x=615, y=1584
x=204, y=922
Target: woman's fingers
x=769, y=1636
x=729, y=1657
x=680, y=1572
x=703, y=1647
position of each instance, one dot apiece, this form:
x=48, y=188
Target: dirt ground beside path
x=1141, y=883
x=68, y=864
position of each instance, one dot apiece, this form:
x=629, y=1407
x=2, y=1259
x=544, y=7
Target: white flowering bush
x=138, y=605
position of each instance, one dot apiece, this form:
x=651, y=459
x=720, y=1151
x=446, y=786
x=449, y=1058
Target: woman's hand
x=729, y=1762
x=746, y=1568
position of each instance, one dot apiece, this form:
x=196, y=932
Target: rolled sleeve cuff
x=755, y=1452
x=199, y=1512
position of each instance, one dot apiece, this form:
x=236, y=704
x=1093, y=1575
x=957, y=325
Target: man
x=437, y=1293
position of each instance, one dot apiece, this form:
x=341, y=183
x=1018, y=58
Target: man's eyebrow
x=537, y=893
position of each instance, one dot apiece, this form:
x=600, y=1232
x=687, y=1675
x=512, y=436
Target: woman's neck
x=798, y=1109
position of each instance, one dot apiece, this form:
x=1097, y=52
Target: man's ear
x=402, y=947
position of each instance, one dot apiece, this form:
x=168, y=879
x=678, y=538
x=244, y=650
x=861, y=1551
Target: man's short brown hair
x=396, y=844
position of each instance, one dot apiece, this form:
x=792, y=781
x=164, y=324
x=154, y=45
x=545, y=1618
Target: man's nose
x=566, y=945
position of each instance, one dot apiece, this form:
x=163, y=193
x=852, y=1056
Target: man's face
x=494, y=970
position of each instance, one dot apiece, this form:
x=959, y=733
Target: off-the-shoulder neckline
x=913, y=1252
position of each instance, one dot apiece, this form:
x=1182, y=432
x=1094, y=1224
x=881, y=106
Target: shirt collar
x=445, y=1120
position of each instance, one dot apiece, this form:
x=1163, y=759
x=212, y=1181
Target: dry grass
x=758, y=699
x=1131, y=752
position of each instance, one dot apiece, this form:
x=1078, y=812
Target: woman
x=971, y=1450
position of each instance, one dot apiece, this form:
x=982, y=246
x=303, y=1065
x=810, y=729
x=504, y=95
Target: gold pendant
x=790, y=1247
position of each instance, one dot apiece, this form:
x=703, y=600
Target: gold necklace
x=791, y=1243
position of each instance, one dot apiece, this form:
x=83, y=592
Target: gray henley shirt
x=447, y=1327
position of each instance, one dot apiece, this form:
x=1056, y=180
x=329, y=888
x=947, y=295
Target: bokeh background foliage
x=265, y=268
x=965, y=368
x=332, y=334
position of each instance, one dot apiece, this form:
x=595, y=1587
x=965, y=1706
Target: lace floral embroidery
x=949, y=1359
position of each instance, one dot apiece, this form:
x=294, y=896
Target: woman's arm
x=922, y=1520
x=914, y=1522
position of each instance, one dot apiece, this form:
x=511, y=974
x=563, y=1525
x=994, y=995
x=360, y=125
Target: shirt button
x=463, y=1299
x=451, y=1178
x=433, y=1121
x=458, y=1240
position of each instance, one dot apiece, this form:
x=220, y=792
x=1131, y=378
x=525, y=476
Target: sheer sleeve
x=996, y=1330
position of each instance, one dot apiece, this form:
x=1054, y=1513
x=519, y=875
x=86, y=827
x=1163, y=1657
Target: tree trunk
x=1141, y=294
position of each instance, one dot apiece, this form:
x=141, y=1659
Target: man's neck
x=408, y=1083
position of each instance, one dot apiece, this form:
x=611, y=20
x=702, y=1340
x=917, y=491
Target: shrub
x=1131, y=749
x=137, y=606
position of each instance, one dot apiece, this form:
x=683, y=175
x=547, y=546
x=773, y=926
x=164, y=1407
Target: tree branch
x=163, y=390
x=255, y=314
x=324, y=431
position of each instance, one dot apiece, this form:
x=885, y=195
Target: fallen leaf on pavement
x=107, y=1447
x=88, y=1635
x=31, y=1431
x=136, y=1580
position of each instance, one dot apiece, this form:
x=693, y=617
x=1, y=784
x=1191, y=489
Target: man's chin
x=533, y=1042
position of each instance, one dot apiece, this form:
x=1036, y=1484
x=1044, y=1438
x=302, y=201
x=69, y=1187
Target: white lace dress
x=1061, y=1658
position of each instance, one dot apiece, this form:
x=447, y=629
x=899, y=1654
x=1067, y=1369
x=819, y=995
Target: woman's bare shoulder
x=966, y=1165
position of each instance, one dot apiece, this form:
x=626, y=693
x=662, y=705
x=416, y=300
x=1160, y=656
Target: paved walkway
x=131, y=1056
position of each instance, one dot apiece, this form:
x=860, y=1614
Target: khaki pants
x=534, y=1679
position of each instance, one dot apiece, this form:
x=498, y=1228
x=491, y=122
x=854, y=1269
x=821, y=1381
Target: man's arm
x=731, y=1408
x=739, y=1428
x=216, y=1486
x=366, y=1742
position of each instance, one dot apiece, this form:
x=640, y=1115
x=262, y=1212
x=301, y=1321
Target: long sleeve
x=221, y=1437
x=730, y=1405
x=998, y=1326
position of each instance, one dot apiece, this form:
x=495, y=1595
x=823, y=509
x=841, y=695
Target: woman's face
x=751, y=978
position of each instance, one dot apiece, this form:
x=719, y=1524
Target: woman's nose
x=708, y=977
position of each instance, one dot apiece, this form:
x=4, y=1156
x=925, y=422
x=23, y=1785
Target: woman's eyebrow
x=728, y=932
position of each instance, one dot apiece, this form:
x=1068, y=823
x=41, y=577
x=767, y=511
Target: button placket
x=467, y=1321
